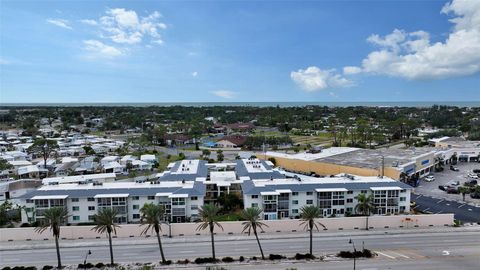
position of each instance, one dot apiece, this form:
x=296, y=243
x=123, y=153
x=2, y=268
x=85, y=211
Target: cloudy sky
x=198, y=51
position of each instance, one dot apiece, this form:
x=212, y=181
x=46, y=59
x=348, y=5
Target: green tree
x=463, y=190
x=365, y=206
x=220, y=155
x=105, y=223
x=44, y=148
x=252, y=217
x=208, y=219
x=308, y=214
x=4, y=165
x=206, y=153
x=152, y=216
x=229, y=202
x=53, y=218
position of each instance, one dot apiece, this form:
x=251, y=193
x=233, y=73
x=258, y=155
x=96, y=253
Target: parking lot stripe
x=401, y=255
x=461, y=205
x=441, y=200
x=391, y=257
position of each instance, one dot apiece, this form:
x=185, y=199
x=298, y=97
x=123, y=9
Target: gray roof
x=242, y=171
x=197, y=190
x=248, y=187
x=202, y=171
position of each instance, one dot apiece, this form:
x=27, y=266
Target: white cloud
x=127, y=27
x=89, y=22
x=414, y=57
x=97, y=49
x=60, y=23
x=194, y=74
x=314, y=79
x=349, y=70
x=224, y=94
x=332, y=94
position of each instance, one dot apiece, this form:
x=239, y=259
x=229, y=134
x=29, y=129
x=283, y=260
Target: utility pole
x=383, y=167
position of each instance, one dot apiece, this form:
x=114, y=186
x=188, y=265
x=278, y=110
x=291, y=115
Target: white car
x=429, y=178
x=472, y=175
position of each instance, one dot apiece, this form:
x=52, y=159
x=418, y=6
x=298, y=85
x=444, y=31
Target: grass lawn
x=230, y=217
x=312, y=140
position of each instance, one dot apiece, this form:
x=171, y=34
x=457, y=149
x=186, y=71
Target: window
x=75, y=199
x=194, y=207
x=193, y=198
x=151, y=198
x=75, y=208
x=403, y=191
x=402, y=199
x=91, y=199
x=254, y=196
x=136, y=216
x=309, y=193
x=135, y=198
x=294, y=211
x=349, y=200
x=178, y=201
x=294, y=193
x=136, y=207
x=364, y=191
x=350, y=192
x=29, y=201
x=254, y=205
x=309, y=201
x=402, y=208
x=91, y=208
x=295, y=202
x=349, y=210
x=76, y=218
x=91, y=218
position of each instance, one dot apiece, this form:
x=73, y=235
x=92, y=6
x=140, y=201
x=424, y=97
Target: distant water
x=256, y=104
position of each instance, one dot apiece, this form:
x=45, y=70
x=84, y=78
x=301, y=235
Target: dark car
x=452, y=190
x=476, y=171
x=444, y=188
x=475, y=195
x=471, y=183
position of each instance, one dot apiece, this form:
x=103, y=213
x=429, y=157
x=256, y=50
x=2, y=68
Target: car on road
x=453, y=168
x=429, y=178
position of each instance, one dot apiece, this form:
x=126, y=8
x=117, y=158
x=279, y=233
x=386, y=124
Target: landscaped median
x=210, y=263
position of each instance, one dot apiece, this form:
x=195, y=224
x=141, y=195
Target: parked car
x=429, y=178
x=454, y=183
x=453, y=168
x=475, y=195
x=472, y=175
x=444, y=188
x=471, y=183
x=452, y=190
x=476, y=170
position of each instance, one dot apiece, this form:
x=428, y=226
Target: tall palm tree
x=463, y=190
x=308, y=214
x=152, y=216
x=365, y=206
x=54, y=218
x=208, y=219
x=252, y=222
x=105, y=222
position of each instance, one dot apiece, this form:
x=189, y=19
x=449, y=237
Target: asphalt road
x=461, y=210
x=456, y=250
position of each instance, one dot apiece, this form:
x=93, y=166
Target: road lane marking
x=461, y=205
x=399, y=242
x=386, y=255
x=242, y=249
x=401, y=255
x=441, y=200
x=187, y=251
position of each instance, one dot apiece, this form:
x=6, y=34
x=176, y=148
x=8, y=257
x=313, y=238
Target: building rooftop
x=313, y=156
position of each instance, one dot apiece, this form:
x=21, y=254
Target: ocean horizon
x=254, y=104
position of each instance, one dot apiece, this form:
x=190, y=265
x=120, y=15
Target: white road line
x=450, y=241
x=441, y=200
x=242, y=249
x=186, y=251
x=391, y=257
x=426, y=209
x=401, y=255
x=399, y=242
x=294, y=247
x=11, y=259
x=461, y=205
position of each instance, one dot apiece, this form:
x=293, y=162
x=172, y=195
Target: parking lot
x=447, y=176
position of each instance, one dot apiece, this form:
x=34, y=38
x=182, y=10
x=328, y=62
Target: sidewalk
x=22, y=245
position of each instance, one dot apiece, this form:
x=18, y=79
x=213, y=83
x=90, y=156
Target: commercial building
x=465, y=151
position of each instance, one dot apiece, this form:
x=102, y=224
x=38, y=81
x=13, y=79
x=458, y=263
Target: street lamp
x=85, y=261
x=354, y=253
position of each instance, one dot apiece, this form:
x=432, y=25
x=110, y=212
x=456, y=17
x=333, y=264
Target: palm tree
x=105, y=220
x=308, y=215
x=252, y=222
x=365, y=206
x=152, y=216
x=53, y=219
x=463, y=190
x=208, y=219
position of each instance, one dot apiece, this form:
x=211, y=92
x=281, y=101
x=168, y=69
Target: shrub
x=228, y=259
x=47, y=267
x=358, y=254
x=275, y=257
x=306, y=256
x=204, y=260
x=167, y=262
x=186, y=261
x=86, y=265
x=99, y=265
x=6, y=268
x=241, y=259
x=30, y=268
x=367, y=253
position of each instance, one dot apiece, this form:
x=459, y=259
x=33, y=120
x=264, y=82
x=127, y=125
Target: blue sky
x=199, y=51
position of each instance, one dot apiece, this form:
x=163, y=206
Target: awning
x=331, y=189
x=385, y=188
x=116, y=195
x=267, y=193
x=178, y=196
x=49, y=197
x=163, y=194
x=223, y=184
x=283, y=190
